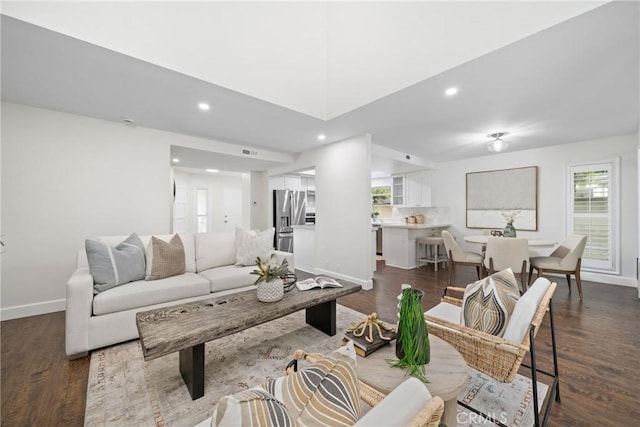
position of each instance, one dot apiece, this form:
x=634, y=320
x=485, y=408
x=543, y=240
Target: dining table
x=482, y=239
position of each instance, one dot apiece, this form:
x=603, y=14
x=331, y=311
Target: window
x=381, y=201
x=593, y=212
x=202, y=197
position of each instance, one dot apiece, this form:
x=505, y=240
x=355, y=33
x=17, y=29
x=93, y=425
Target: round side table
x=447, y=373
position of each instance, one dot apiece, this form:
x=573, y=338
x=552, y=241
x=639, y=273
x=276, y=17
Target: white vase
x=270, y=291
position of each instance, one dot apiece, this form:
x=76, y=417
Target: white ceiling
x=277, y=74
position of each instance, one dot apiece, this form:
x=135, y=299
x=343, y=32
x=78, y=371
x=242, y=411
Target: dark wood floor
x=598, y=345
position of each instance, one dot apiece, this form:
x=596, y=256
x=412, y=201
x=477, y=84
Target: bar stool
x=430, y=247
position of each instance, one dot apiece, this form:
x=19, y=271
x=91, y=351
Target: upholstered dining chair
x=566, y=259
x=459, y=257
x=507, y=252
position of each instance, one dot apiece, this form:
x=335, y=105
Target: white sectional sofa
x=94, y=321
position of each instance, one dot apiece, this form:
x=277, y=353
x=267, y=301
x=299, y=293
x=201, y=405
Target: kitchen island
x=399, y=242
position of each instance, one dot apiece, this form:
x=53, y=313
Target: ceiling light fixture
x=497, y=145
x=175, y=160
x=204, y=106
x=321, y=137
x=451, y=91
x=213, y=170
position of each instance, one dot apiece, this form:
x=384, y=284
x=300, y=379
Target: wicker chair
x=428, y=416
x=495, y=356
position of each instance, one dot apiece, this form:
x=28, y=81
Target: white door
x=180, y=221
x=231, y=209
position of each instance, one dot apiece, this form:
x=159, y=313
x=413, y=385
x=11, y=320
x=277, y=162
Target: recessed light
x=451, y=91
x=213, y=170
x=175, y=160
x=204, y=106
x=321, y=137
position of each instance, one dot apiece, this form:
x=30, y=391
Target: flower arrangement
x=511, y=216
x=269, y=270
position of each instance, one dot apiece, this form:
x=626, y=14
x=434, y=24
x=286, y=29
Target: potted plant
x=412, y=341
x=269, y=283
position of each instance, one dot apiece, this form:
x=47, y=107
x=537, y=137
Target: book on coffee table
x=364, y=347
x=320, y=282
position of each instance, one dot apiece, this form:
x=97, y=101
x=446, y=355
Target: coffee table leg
x=192, y=370
x=323, y=317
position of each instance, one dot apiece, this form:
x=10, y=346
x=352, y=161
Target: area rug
x=123, y=389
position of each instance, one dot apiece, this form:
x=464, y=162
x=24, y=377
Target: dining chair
x=459, y=257
x=566, y=259
x=507, y=252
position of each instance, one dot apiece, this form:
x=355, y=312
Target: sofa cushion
x=411, y=396
x=164, y=259
x=187, y=242
x=215, y=250
x=143, y=293
x=228, y=277
x=445, y=311
x=111, y=266
x=251, y=244
x=488, y=303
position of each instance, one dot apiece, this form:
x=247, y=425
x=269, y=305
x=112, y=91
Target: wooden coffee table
x=447, y=373
x=187, y=327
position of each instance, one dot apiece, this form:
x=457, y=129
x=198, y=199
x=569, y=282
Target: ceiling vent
x=249, y=152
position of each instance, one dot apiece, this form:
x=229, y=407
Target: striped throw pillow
x=325, y=393
x=113, y=266
x=488, y=303
x=249, y=408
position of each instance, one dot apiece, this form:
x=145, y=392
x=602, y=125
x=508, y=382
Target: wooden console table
x=187, y=327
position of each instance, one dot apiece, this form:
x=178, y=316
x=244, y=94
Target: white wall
x=66, y=178
x=552, y=192
x=343, y=207
x=260, y=201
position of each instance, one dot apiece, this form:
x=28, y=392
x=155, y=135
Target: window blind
x=591, y=213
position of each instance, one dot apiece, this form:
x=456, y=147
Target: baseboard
x=601, y=278
x=308, y=270
x=366, y=284
x=34, y=309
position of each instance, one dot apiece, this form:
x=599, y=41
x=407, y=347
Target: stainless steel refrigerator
x=288, y=210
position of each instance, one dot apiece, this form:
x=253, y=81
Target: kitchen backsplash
x=432, y=215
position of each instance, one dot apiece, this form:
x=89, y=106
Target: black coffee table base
x=321, y=317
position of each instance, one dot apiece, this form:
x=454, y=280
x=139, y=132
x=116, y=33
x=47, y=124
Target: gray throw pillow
x=113, y=266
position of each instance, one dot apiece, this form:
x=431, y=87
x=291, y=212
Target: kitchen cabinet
x=397, y=190
x=307, y=183
x=411, y=189
x=418, y=189
x=285, y=182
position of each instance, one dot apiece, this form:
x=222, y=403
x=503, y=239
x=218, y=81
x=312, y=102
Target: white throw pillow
x=215, y=250
x=251, y=244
